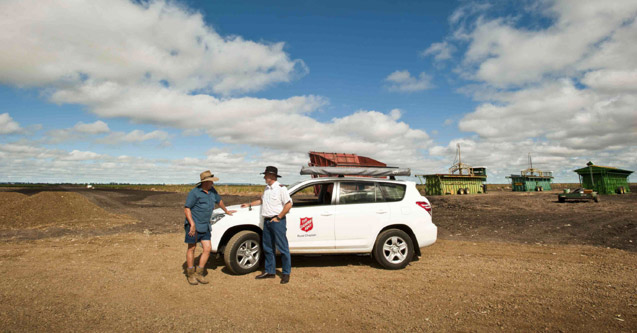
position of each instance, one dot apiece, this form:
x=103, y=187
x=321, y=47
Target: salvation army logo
x=306, y=224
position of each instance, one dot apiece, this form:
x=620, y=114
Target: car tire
x=243, y=252
x=394, y=249
x=561, y=199
x=596, y=198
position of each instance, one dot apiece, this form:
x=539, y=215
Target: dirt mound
x=9, y=197
x=60, y=209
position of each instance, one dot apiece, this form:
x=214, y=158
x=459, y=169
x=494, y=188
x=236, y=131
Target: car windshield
x=295, y=184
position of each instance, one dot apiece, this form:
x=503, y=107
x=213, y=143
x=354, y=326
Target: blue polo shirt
x=201, y=205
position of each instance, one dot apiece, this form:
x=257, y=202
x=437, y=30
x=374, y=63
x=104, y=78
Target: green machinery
x=578, y=194
x=461, y=179
x=604, y=180
x=531, y=179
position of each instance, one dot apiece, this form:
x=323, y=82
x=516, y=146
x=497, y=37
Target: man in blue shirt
x=198, y=209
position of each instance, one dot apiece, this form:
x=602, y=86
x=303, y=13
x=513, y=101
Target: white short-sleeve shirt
x=273, y=199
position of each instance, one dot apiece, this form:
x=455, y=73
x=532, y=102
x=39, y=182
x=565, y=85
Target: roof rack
x=355, y=171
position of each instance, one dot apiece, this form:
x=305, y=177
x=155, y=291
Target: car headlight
x=216, y=217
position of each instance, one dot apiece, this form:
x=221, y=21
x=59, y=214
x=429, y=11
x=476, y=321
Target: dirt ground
x=504, y=261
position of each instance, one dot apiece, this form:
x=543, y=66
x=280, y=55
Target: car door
x=360, y=212
x=310, y=222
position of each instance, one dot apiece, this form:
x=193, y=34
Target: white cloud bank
x=134, y=136
x=51, y=43
x=159, y=63
x=566, y=91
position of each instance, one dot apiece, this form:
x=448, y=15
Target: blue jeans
x=274, y=235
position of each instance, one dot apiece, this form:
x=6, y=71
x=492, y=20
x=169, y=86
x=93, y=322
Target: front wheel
x=243, y=252
x=394, y=249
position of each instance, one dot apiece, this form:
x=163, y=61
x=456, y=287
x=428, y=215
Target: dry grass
x=65, y=210
x=222, y=189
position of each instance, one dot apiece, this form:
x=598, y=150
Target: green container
x=530, y=183
x=604, y=180
x=450, y=184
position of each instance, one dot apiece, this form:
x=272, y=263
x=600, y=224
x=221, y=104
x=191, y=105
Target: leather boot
x=199, y=275
x=190, y=275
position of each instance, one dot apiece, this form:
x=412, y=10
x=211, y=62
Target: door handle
x=326, y=214
x=381, y=212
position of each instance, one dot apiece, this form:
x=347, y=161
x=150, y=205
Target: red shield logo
x=306, y=224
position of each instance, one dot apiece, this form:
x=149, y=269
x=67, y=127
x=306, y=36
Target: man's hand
x=244, y=205
x=230, y=212
x=275, y=219
x=192, y=231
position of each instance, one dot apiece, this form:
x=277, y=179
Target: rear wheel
x=561, y=199
x=596, y=198
x=243, y=252
x=394, y=249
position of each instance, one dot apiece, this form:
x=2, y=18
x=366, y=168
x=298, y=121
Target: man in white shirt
x=276, y=203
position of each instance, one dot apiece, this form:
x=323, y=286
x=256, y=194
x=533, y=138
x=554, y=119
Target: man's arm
x=284, y=212
x=190, y=220
x=223, y=206
x=253, y=203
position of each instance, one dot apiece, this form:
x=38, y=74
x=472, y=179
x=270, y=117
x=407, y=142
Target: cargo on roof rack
x=355, y=171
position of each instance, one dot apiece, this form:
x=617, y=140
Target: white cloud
x=402, y=81
x=8, y=125
x=78, y=132
x=249, y=120
x=440, y=51
x=612, y=81
x=159, y=63
x=98, y=127
x=77, y=155
x=157, y=42
x=565, y=91
x=503, y=158
x=507, y=55
x=134, y=136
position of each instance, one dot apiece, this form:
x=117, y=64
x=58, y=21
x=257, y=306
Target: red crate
x=342, y=160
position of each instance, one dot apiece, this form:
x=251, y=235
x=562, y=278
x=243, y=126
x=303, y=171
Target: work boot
x=199, y=275
x=190, y=275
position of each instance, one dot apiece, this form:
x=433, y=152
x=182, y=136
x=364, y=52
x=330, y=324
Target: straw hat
x=207, y=176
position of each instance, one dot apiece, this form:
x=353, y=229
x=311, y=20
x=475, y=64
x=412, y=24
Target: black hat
x=271, y=170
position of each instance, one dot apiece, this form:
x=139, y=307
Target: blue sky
x=101, y=91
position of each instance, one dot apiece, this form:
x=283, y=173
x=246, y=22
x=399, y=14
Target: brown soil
x=537, y=217
x=479, y=276
x=9, y=198
x=135, y=282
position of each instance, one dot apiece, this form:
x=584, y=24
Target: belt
x=270, y=217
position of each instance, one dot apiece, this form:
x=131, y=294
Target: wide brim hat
x=207, y=176
x=271, y=171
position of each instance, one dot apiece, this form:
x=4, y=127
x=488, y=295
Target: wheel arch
x=407, y=230
x=233, y=231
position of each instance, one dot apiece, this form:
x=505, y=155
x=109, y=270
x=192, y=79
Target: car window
x=358, y=192
x=392, y=192
x=313, y=195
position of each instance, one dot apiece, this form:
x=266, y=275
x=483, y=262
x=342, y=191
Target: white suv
x=387, y=219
